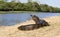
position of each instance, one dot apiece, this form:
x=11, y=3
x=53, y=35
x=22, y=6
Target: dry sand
x=50, y=31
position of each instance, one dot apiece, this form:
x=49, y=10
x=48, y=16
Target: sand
x=50, y=31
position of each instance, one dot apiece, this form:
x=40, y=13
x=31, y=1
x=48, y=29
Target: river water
x=12, y=19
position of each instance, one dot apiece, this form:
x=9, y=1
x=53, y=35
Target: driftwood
x=28, y=27
x=39, y=23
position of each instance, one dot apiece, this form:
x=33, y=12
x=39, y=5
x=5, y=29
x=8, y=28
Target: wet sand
x=50, y=31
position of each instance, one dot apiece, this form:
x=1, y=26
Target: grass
x=10, y=12
x=16, y=12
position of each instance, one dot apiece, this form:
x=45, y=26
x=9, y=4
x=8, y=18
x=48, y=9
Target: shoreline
x=49, y=31
x=15, y=12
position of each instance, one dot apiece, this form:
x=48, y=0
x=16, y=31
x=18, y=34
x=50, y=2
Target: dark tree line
x=30, y=6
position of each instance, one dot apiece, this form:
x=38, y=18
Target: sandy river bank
x=50, y=31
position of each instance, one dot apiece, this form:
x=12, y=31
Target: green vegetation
x=30, y=6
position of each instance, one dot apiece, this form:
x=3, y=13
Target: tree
x=15, y=0
x=19, y=6
x=3, y=0
x=29, y=0
x=35, y=6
